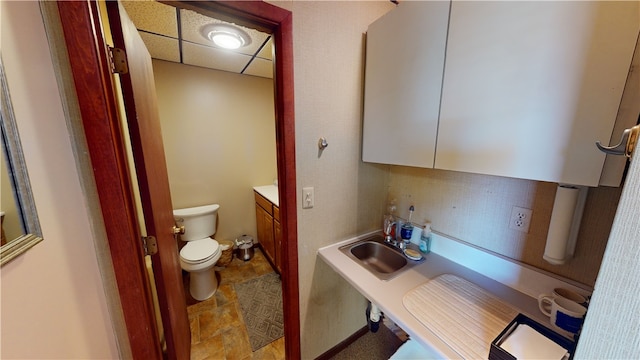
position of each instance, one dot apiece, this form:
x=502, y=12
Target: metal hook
x=322, y=143
x=627, y=143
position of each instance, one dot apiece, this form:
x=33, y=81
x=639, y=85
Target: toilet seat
x=199, y=251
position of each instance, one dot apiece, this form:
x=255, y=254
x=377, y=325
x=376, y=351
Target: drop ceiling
x=173, y=34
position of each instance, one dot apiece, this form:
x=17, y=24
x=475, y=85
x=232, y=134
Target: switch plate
x=520, y=219
x=307, y=198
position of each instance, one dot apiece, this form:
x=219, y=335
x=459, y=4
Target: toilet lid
x=199, y=250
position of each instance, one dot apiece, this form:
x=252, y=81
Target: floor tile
x=213, y=321
x=236, y=342
x=273, y=351
x=212, y=348
x=194, y=325
x=217, y=328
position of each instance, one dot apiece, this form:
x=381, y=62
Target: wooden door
x=141, y=108
x=89, y=67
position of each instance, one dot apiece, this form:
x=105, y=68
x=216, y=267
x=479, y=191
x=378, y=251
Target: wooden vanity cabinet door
x=264, y=225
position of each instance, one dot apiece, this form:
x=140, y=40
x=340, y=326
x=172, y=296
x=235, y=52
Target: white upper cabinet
x=530, y=87
x=405, y=59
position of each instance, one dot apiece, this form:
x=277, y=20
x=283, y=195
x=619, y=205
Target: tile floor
x=217, y=328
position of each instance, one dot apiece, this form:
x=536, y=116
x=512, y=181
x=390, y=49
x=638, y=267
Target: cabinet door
x=529, y=87
x=264, y=224
x=403, y=78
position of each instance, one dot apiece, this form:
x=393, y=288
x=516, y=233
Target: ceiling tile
x=152, y=16
x=267, y=51
x=161, y=47
x=193, y=54
x=192, y=24
x=154, y=19
x=260, y=67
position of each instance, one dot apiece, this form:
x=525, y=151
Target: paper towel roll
x=562, y=217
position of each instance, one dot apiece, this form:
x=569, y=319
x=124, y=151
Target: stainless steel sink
x=381, y=259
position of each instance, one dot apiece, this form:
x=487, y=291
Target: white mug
x=570, y=295
x=563, y=313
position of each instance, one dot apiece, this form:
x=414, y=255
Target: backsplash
x=476, y=209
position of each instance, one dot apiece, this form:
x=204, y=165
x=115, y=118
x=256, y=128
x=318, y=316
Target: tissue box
x=497, y=352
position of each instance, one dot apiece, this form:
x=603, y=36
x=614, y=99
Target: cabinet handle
x=627, y=143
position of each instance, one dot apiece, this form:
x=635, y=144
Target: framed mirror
x=20, y=225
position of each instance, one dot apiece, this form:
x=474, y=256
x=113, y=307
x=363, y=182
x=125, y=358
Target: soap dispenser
x=425, y=239
x=406, y=230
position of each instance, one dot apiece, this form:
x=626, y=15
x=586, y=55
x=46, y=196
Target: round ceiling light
x=226, y=36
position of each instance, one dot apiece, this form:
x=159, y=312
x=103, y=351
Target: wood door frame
x=278, y=22
x=90, y=69
x=94, y=88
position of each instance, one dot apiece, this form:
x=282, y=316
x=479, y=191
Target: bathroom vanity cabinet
x=268, y=229
x=527, y=87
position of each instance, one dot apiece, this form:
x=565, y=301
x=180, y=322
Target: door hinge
x=150, y=245
x=118, y=60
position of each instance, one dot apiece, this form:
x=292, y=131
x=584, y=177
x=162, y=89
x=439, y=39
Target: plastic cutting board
x=460, y=313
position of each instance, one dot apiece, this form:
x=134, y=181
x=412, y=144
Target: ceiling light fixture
x=226, y=36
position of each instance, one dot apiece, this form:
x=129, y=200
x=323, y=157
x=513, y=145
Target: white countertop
x=270, y=192
x=388, y=295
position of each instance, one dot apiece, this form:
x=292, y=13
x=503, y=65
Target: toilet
x=201, y=252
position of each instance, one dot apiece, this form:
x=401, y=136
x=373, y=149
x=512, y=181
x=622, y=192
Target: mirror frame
x=19, y=177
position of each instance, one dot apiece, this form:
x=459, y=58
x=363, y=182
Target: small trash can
x=226, y=246
x=245, y=247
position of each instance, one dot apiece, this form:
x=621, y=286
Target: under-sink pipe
x=375, y=313
x=373, y=317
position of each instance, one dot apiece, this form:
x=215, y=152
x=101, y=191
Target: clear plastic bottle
x=425, y=239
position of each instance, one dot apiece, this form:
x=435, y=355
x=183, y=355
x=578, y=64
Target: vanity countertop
x=270, y=192
x=388, y=295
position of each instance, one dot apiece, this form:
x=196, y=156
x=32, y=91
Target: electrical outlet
x=520, y=219
x=307, y=198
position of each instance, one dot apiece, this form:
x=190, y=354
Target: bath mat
x=260, y=302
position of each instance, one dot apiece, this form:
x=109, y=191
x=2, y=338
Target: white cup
x=564, y=314
x=570, y=295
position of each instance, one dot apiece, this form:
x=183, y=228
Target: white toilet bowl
x=198, y=258
x=200, y=253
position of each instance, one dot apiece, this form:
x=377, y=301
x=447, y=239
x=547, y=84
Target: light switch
x=307, y=197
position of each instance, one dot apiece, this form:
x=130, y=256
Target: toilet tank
x=199, y=222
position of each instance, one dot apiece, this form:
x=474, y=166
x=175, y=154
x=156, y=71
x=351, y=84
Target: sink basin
x=381, y=259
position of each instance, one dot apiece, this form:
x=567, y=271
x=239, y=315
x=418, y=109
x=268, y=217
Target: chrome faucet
x=387, y=230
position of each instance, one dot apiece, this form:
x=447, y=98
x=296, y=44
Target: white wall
x=476, y=208
x=219, y=136
x=611, y=327
x=328, y=45
x=53, y=303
